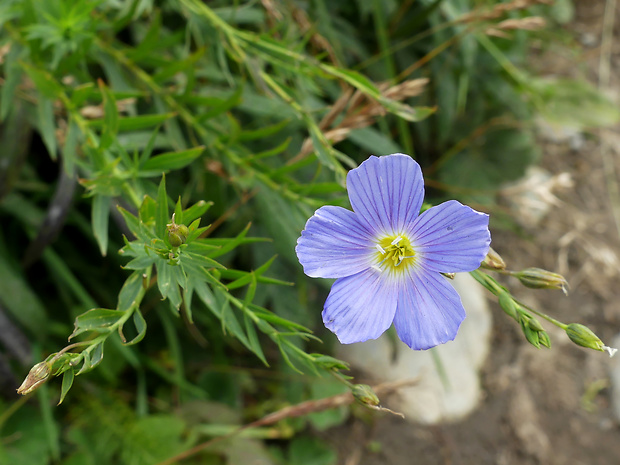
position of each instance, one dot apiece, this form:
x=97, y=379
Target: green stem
x=543, y=315
x=92, y=343
x=495, y=288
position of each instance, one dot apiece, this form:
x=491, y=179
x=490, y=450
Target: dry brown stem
x=501, y=9
x=360, y=112
x=304, y=408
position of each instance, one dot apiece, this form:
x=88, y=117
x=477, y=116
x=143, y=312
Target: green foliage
x=249, y=117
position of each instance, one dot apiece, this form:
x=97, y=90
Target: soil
x=540, y=406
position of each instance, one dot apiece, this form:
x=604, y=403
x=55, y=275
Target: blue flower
x=387, y=258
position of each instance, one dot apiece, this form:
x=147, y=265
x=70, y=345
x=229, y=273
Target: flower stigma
x=393, y=250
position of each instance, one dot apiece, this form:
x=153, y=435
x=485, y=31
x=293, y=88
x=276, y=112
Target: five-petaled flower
x=387, y=258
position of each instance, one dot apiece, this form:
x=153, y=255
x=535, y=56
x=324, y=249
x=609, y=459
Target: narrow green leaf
x=148, y=149
x=201, y=260
x=231, y=244
x=235, y=275
x=97, y=355
x=47, y=125
x=20, y=300
x=67, y=382
x=148, y=211
x=170, y=161
x=250, y=330
x=249, y=277
x=263, y=132
x=178, y=212
x=205, y=294
x=162, y=209
x=130, y=291
x=97, y=320
x=324, y=151
x=413, y=114
x=230, y=324
x=86, y=363
x=164, y=278
x=356, y=79
x=285, y=356
x=13, y=76
x=134, y=123
x=110, y=118
x=132, y=222
x=196, y=210
x=223, y=106
x=99, y=216
x=69, y=151
x=176, y=66
x=43, y=81
x=195, y=231
x=141, y=263
x=272, y=152
x=82, y=93
x=253, y=342
x=140, y=324
x=201, y=248
x=272, y=318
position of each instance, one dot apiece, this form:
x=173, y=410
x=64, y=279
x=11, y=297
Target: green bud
x=537, y=278
x=531, y=335
x=585, y=337
x=493, y=261
x=37, y=375
x=330, y=363
x=177, y=234
x=364, y=394
x=509, y=306
x=544, y=340
x=535, y=325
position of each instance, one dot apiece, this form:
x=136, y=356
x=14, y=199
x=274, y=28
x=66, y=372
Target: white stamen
x=380, y=249
x=397, y=240
x=610, y=350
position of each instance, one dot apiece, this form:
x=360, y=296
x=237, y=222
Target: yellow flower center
x=395, y=253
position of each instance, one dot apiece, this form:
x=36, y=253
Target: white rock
x=448, y=387
x=614, y=375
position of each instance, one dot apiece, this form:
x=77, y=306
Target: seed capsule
x=37, y=375
x=177, y=234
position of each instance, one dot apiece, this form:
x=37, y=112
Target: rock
x=532, y=197
x=614, y=375
x=449, y=384
x=523, y=417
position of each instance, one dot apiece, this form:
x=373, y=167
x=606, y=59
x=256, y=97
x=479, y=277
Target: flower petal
x=334, y=244
x=387, y=192
x=429, y=311
x=451, y=237
x=361, y=307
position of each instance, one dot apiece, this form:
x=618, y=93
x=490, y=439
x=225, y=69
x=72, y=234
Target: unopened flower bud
x=530, y=334
x=493, y=261
x=509, y=306
x=585, y=337
x=534, y=324
x=364, y=394
x=37, y=375
x=177, y=234
x=544, y=340
x=537, y=278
